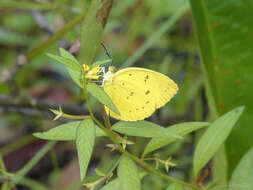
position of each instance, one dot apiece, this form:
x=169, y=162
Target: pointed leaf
x=243, y=175
x=69, y=63
x=91, y=32
x=223, y=29
x=85, y=139
x=76, y=77
x=65, y=132
x=128, y=174
x=175, y=186
x=101, y=96
x=213, y=138
x=180, y=129
x=66, y=54
x=143, y=129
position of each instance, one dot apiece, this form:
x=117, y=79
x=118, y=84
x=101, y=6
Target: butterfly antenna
x=106, y=51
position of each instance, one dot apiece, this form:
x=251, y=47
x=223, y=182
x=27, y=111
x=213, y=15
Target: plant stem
x=68, y=116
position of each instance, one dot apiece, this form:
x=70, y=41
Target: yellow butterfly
x=136, y=92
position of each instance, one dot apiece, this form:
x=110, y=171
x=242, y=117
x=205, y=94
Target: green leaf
x=103, y=62
x=175, y=186
x=68, y=62
x=76, y=77
x=65, y=132
x=112, y=185
x=224, y=32
x=85, y=139
x=101, y=96
x=91, y=34
x=66, y=54
x=213, y=138
x=180, y=129
x=243, y=175
x=128, y=174
x=143, y=129
x=22, y=172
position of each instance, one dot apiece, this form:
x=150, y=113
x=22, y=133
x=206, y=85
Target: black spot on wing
x=147, y=92
x=146, y=78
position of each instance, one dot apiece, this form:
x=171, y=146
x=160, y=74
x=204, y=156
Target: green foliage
x=85, y=139
x=91, y=34
x=128, y=174
x=101, y=96
x=242, y=175
x=223, y=30
x=65, y=132
x=112, y=185
x=213, y=138
x=181, y=129
x=143, y=129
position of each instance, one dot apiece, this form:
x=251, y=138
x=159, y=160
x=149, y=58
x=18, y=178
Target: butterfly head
x=98, y=73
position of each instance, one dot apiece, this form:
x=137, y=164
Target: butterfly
x=136, y=92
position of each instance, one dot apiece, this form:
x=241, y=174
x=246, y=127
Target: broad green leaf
x=112, y=185
x=175, y=186
x=101, y=96
x=224, y=30
x=213, y=138
x=69, y=63
x=180, y=129
x=128, y=174
x=85, y=139
x=243, y=175
x=143, y=129
x=91, y=34
x=65, y=132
